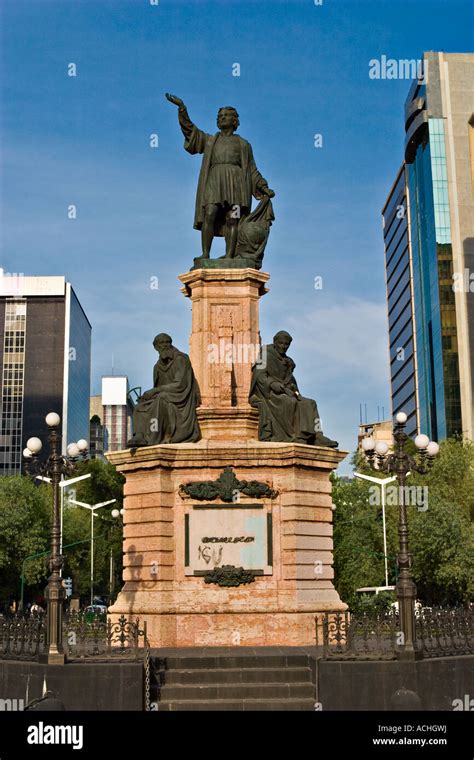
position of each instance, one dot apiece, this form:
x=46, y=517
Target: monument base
x=222, y=262
x=215, y=423
x=227, y=556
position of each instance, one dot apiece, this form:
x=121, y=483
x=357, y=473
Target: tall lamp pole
x=116, y=513
x=382, y=482
x=400, y=463
x=92, y=508
x=63, y=484
x=54, y=468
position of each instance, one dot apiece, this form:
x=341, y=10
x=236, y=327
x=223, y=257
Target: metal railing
x=439, y=632
x=24, y=637
x=446, y=631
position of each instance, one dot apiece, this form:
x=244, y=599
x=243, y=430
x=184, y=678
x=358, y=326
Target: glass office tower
x=45, y=355
x=400, y=303
x=430, y=251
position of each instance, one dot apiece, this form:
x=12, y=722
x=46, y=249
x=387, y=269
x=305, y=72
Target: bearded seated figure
x=167, y=412
x=284, y=414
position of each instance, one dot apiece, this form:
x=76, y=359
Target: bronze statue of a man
x=228, y=179
x=284, y=414
x=167, y=412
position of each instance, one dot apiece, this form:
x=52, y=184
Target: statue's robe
x=197, y=141
x=282, y=416
x=170, y=416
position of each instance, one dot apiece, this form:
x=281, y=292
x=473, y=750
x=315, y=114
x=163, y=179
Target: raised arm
x=194, y=138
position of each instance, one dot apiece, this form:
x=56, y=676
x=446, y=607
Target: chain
x=147, y=669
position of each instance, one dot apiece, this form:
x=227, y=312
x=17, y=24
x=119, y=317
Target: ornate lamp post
x=400, y=464
x=54, y=467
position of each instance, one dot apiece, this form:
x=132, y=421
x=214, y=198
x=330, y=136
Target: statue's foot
x=136, y=441
x=322, y=440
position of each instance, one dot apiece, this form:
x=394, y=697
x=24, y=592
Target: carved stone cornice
x=225, y=487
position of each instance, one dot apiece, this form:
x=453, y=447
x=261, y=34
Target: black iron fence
x=24, y=637
x=440, y=632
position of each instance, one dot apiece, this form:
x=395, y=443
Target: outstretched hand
x=173, y=99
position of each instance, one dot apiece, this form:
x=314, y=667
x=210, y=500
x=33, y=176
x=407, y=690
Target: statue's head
x=163, y=344
x=227, y=117
x=281, y=342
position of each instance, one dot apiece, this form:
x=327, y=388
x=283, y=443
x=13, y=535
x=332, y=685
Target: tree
x=25, y=530
x=25, y=515
x=358, y=539
x=104, y=484
x=441, y=531
x=442, y=535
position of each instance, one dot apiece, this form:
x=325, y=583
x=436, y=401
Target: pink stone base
x=253, y=629
x=182, y=610
x=215, y=423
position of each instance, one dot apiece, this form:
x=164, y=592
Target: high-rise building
x=111, y=413
x=45, y=359
x=428, y=222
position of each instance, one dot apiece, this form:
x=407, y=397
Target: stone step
x=239, y=691
x=231, y=661
x=234, y=675
x=267, y=705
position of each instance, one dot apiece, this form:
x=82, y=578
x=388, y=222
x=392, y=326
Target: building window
x=13, y=378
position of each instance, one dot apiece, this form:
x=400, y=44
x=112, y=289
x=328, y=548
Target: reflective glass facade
x=45, y=341
x=431, y=314
x=399, y=302
x=79, y=371
x=434, y=308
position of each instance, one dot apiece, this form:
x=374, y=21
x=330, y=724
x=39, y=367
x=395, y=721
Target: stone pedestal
x=290, y=582
x=224, y=344
x=184, y=610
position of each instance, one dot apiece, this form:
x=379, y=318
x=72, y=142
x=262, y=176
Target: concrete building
x=114, y=408
x=428, y=222
x=45, y=359
x=379, y=431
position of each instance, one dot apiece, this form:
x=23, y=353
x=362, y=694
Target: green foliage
x=25, y=509
x=358, y=540
x=441, y=536
x=104, y=484
x=25, y=527
x=373, y=603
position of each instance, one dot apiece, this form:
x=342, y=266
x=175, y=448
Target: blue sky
x=84, y=140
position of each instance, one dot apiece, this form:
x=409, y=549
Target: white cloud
x=347, y=339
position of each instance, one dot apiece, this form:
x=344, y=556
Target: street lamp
x=92, y=508
x=400, y=463
x=54, y=468
x=116, y=514
x=382, y=482
x=63, y=485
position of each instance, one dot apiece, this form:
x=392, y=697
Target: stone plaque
x=238, y=535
